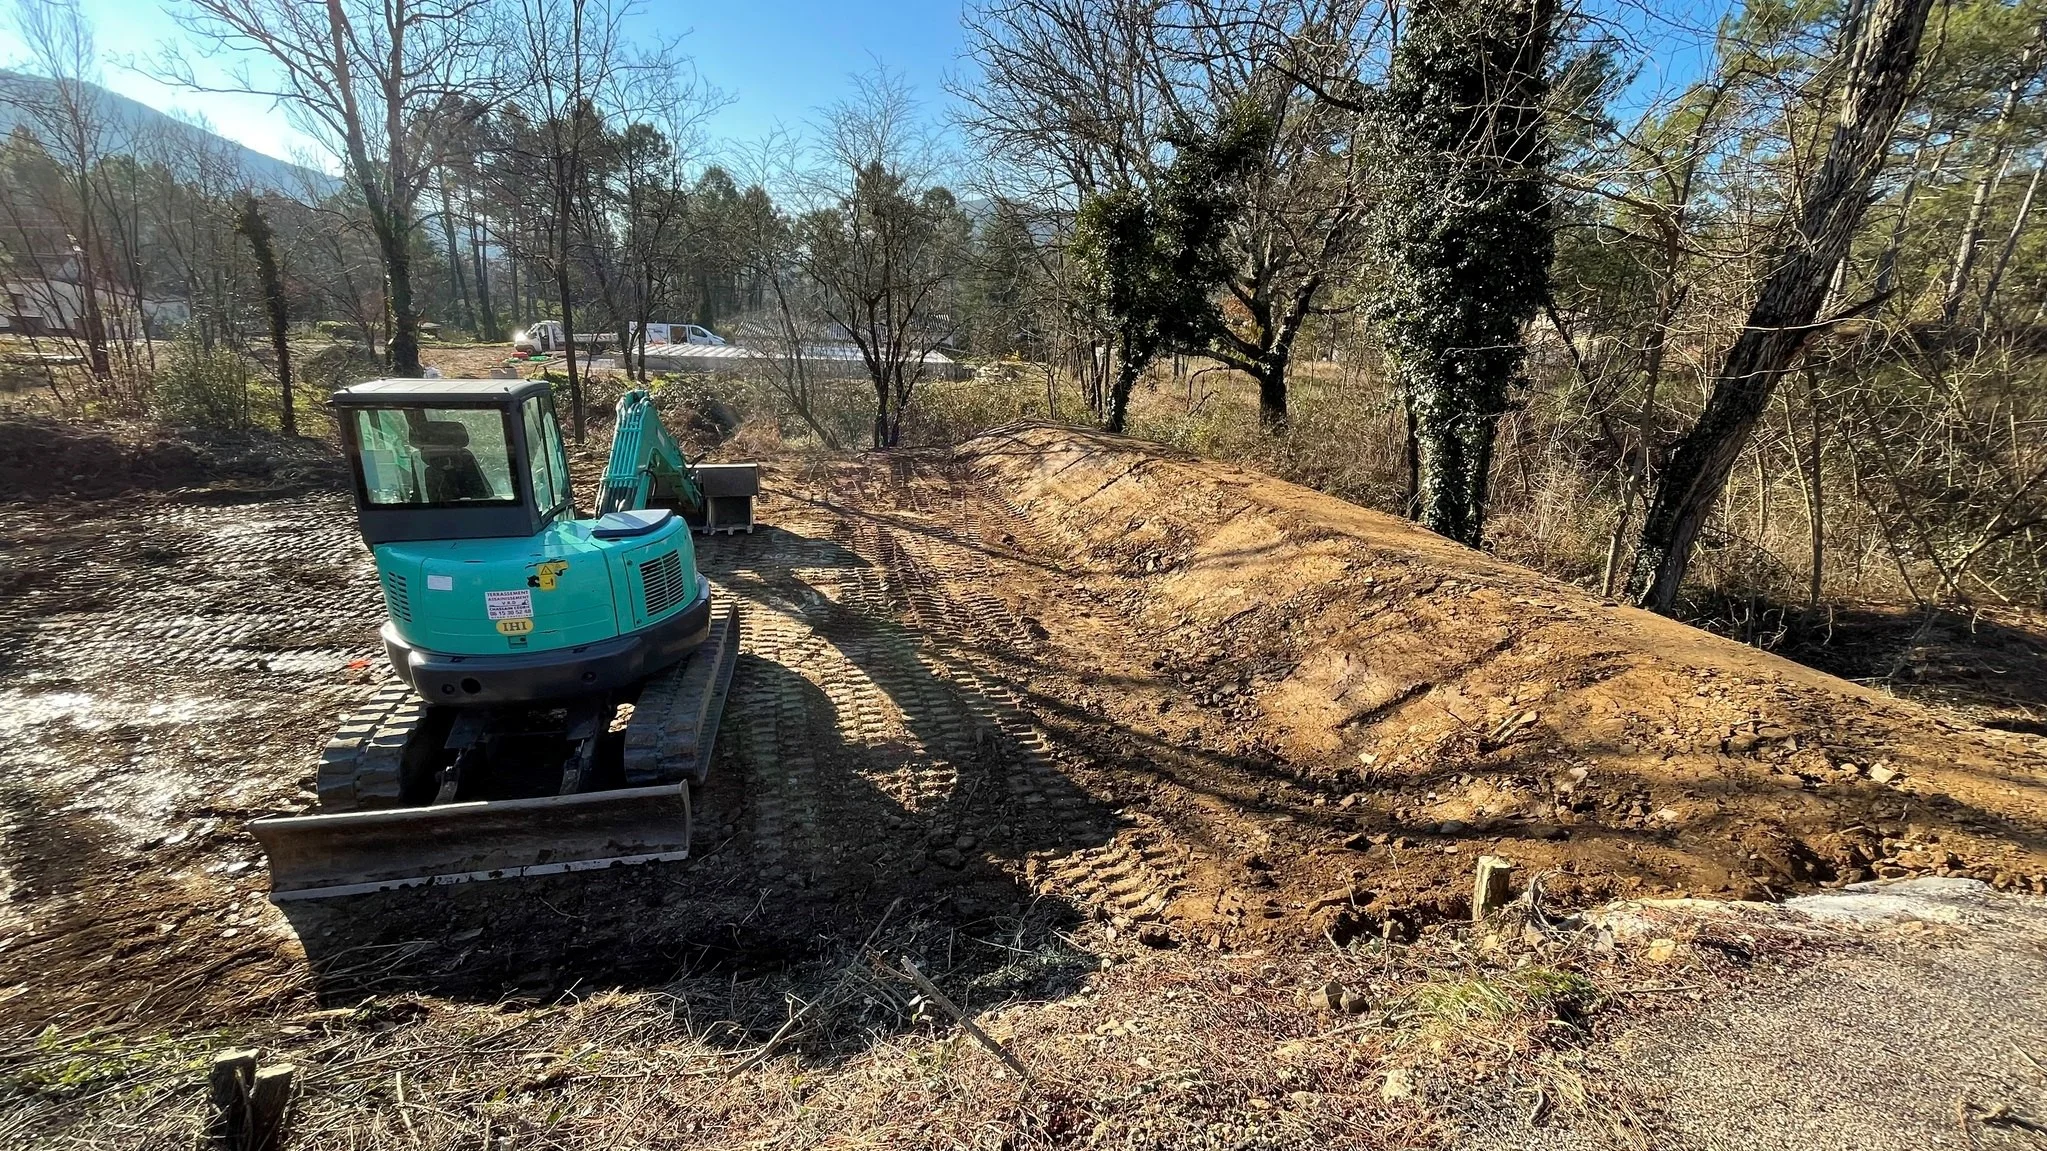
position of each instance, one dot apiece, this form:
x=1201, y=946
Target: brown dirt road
x=1049, y=679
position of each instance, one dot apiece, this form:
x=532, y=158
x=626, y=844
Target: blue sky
x=780, y=60
x=784, y=58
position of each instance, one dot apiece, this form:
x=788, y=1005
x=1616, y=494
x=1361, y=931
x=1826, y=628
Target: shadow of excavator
x=805, y=844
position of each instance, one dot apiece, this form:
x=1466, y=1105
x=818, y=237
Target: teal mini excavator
x=559, y=678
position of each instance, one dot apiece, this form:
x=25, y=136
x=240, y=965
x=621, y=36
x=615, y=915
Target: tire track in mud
x=934, y=571
x=171, y=669
x=284, y=595
x=883, y=737
x=775, y=744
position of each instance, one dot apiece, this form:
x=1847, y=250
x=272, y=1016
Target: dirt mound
x=48, y=458
x=1433, y=702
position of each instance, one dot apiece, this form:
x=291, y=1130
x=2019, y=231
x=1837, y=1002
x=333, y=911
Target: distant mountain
x=136, y=128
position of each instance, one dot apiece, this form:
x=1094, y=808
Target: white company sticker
x=508, y=604
x=440, y=583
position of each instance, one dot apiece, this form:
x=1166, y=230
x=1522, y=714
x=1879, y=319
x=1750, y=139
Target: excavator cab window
x=435, y=457
x=546, y=461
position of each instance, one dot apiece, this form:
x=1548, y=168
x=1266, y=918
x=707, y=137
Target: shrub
x=208, y=387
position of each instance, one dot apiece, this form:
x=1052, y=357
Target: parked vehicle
x=546, y=336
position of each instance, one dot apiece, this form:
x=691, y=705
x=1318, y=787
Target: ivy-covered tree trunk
x=1786, y=310
x=250, y=223
x=1467, y=233
x=1127, y=371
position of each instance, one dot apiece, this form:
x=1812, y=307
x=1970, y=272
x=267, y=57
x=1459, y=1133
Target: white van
x=546, y=336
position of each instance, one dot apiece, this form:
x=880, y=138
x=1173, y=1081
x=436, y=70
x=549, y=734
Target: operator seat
x=451, y=470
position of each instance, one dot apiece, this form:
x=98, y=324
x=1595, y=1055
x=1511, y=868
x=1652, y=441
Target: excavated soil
x=1396, y=703
x=1053, y=676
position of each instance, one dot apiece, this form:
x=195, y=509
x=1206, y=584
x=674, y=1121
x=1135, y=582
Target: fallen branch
x=931, y=990
x=775, y=1040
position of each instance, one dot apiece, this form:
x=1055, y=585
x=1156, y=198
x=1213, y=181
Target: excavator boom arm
x=647, y=466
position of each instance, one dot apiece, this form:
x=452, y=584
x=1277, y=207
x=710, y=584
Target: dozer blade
x=353, y=852
x=350, y=853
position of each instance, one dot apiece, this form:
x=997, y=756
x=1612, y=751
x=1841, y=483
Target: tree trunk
x=1411, y=503
x=1972, y=237
x=88, y=274
x=565, y=169
x=403, y=341
x=1815, y=506
x=1272, y=399
x=389, y=220
x=1453, y=456
x=1119, y=396
x=458, y=285
x=2011, y=241
x=1784, y=312
x=250, y=223
x=1986, y=183
x=1887, y=263
x=488, y=314
x=568, y=305
x=1655, y=348
x=897, y=409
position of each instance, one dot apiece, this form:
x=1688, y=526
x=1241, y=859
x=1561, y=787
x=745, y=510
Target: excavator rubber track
x=674, y=725
x=366, y=837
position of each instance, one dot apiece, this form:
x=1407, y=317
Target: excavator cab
x=454, y=459
x=497, y=593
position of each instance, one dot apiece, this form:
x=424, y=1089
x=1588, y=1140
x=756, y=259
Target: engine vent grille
x=661, y=583
x=395, y=597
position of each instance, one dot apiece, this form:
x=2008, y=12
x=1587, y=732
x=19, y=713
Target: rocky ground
x=1135, y=756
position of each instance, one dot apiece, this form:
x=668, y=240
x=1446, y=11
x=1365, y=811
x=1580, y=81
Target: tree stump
x=248, y=1106
x=1489, y=893
x=228, y=1083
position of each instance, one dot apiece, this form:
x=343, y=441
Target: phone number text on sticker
x=508, y=604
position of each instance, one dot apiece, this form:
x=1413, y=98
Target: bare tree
x=1828, y=211
x=66, y=115
x=632, y=206
x=2026, y=72
x=1079, y=99
x=563, y=55
x=883, y=242
x=373, y=80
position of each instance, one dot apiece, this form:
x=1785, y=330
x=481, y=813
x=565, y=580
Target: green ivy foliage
x=1151, y=260
x=1465, y=230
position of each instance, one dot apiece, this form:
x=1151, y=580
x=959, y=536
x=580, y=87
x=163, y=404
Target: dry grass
x=1127, y=1046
